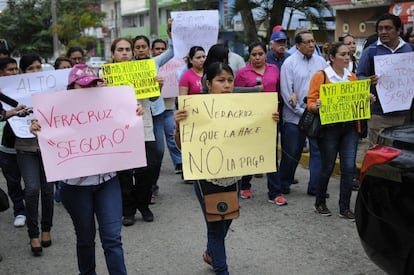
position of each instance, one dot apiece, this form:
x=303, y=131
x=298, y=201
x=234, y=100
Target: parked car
x=384, y=209
x=95, y=62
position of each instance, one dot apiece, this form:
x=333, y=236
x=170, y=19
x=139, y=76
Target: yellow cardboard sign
x=345, y=101
x=227, y=135
x=139, y=73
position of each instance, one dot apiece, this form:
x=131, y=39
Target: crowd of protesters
x=296, y=75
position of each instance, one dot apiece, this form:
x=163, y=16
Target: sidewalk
x=362, y=148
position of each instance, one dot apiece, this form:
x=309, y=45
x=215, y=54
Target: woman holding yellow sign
x=340, y=137
x=219, y=80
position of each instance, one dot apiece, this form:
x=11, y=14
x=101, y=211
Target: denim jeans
x=216, y=231
x=104, y=201
x=11, y=173
x=292, y=145
x=164, y=124
x=33, y=173
x=340, y=138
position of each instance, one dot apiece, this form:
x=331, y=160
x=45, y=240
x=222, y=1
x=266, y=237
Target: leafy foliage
x=23, y=23
x=272, y=12
x=27, y=24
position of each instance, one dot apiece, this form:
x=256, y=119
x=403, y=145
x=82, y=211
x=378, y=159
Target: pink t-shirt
x=192, y=81
x=247, y=77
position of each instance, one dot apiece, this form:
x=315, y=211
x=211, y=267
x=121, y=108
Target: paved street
x=266, y=239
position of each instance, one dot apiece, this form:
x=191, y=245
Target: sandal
x=207, y=259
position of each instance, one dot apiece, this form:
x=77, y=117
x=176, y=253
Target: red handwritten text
x=89, y=145
x=81, y=117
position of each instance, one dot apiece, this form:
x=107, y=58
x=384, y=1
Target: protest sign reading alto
x=194, y=28
x=139, y=74
x=226, y=135
x=395, y=86
x=344, y=101
x=21, y=87
x=89, y=132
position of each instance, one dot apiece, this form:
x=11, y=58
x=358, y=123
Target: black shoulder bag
x=309, y=122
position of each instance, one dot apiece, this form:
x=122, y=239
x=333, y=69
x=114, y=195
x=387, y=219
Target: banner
x=194, y=28
x=395, y=86
x=21, y=87
x=168, y=73
x=139, y=74
x=89, y=131
x=345, y=101
x=228, y=135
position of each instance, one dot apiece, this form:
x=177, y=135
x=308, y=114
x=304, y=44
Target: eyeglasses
x=308, y=42
x=385, y=28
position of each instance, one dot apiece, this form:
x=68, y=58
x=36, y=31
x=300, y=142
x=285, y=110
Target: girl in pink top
x=190, y=82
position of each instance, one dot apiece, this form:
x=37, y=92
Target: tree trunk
x=276, y=15
x=249, y=26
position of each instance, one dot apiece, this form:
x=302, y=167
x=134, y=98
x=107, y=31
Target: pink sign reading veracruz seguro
x=89, y=131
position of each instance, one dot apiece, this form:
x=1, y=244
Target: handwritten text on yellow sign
x=228, y=135
x=344, y=101
x=140, y=74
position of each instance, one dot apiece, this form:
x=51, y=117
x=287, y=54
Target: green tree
x=73, y=21
x=23, y=23
x=272, y=14
x=27, y=24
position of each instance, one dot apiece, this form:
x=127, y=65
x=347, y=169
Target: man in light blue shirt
x=295, y=76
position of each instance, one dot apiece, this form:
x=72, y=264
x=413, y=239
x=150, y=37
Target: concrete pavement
x=266, y=239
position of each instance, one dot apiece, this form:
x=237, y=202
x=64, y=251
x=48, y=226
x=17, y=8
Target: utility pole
x=153, y=18
x=54, y=24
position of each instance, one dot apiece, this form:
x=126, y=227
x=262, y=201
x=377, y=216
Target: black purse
x=309, y=122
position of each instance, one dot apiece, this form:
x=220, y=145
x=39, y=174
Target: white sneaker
x=19, y=221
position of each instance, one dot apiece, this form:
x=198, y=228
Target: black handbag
x=310, y=123
x=4, y=201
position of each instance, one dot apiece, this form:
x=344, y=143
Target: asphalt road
x=266, y=239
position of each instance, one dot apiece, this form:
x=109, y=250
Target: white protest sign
x=168, y=73
x=89, y=131
x=21, y=87
x=194, y=28
x=395, y=86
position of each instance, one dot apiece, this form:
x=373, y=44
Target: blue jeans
x=11, y=173
x=216, y=231
x=33, y=173
x=164, y=124
x=292, y=145
x=104, y=201
x=340, y=138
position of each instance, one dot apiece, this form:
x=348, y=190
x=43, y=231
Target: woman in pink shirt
x=258, y=71
x=190, y=82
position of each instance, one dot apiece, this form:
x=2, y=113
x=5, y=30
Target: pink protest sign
x=168, y=73
x=89, y=131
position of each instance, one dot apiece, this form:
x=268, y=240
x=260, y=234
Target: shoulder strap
x=324, y=76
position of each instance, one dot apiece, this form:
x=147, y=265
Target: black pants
x=136, y=184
